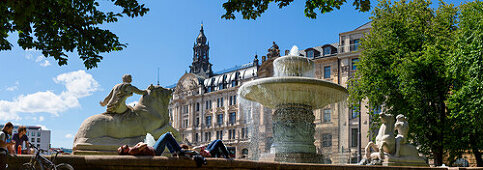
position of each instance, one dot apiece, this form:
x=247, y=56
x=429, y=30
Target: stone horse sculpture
x=390, y=150
x=104, y=133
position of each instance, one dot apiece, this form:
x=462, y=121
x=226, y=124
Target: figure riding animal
x=108, y=131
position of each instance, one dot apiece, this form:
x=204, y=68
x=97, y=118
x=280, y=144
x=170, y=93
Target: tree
x=466, y=71
x=402, y=66
x=252, y=9
x=59, y=26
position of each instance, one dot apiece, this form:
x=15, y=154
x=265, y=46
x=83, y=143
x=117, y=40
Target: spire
x=201, y=64
x=201, y=37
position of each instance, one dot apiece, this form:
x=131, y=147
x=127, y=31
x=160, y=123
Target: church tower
x=201, y=61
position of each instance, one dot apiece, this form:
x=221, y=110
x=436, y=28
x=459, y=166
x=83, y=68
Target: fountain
x=294, y=95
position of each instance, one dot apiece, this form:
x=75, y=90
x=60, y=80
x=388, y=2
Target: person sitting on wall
x=5, y=143
x=21, y=137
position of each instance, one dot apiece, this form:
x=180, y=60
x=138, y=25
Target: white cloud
x=41, y=118
x=42, y=60
x=78, y=84
x=45, y=63
x=14, y=87
x=68, y=136
x=132, y=104
x=43, y=127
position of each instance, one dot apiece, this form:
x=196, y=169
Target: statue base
x=390, y=160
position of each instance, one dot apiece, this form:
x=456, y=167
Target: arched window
x=245, y=151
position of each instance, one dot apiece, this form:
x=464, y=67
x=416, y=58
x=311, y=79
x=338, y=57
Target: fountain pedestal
x=293, y=129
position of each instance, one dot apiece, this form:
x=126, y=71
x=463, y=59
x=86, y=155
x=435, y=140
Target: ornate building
x=205, y=106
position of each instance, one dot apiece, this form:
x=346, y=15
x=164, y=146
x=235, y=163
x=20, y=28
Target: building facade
x=38, y=137
x=342, y=131
x=205, y=106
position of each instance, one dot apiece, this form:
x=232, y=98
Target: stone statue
x=384, y=140
x=116, y=100
x=273, y=51
x=402, y=128
x=104, y=133
x=390, y=150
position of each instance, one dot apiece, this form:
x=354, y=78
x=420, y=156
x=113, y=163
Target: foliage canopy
x=59, y=26
x=252, y=9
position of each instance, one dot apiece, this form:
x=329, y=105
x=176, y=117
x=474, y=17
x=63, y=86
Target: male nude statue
x=402, y=128
x=116, y=100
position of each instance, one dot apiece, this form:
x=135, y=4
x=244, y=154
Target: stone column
x=293, y=129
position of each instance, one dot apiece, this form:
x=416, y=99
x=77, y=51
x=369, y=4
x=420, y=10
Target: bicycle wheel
x=64, y=166
x=28, y=166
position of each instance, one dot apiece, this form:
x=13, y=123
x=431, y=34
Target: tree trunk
x=476, y=151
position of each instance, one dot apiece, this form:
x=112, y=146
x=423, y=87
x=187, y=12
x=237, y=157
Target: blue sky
x=36, y=91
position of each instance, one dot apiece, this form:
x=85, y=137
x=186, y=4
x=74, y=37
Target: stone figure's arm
x=106, y=100
x=136, y=90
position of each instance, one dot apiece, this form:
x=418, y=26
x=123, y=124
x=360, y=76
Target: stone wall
x=161, y=162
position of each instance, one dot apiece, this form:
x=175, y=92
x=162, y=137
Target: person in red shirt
x=138, y=150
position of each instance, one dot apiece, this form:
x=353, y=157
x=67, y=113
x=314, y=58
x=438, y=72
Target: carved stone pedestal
x=293, y=131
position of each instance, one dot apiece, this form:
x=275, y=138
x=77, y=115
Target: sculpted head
x=159, y=92
x=386, y=118
x=401, y=118
x=126, y=78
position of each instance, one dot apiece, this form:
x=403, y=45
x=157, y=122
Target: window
x=232, y=118
x=326, y=140
x=327, y=115
x=244, y=133
x=231, y=100
x=38, y=140
x=185, y=109
x=38, y=134
x=327, y=50
x=245, y=151
x=197, y=106
x=327, y=72
x=354, y=137
x=185, y=123
x=233, y=83
x=208, y=121
x=197, y=122
x=219, y=119
x=221, y=103
x=32, y=134
x=310, y=54
x=218, y=102
x=355, y=45
x=207, y=105
x=355, y=112
x=38, y=145
x=196, y=137
x=208, y=89
x=32, y=139
x=207, y=136
x=219, y=134
x=231, y=134
x=234, y=99
x=354, y=63
x=342, y=44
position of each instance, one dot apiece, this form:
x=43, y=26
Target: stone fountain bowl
x=274, y=91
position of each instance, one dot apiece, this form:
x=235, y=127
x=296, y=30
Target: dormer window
x=310, y=54
x=327, y=50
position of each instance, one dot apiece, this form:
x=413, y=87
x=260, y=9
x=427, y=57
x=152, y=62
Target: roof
x=365, y=26
x=319, y=48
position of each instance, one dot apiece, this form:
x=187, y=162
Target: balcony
x=349, y=48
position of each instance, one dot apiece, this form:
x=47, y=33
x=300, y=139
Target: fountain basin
x=274, y=91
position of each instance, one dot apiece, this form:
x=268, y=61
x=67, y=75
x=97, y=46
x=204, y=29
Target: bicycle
x=44, y=163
